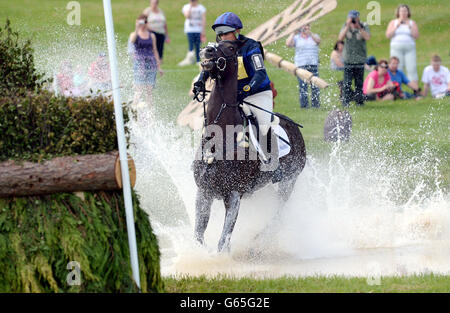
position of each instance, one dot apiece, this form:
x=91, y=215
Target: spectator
x=99, y=74
x=403, y=33
x=194, y=27
x=64, y=79
x=146, y=63
x=355, y=34
x=156, y=23
x=80, y=82
x=336, y=57
x=306, y=57
x=378, y=84
x=397, y=76
x=436, y=78
x=337, y=63
x=371, y=63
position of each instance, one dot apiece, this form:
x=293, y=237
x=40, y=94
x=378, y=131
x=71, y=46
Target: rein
x=248, y=103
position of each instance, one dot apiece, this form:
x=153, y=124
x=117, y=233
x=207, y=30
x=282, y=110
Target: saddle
x=263, y=144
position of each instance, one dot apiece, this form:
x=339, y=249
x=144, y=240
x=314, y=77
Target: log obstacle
x=63, y=174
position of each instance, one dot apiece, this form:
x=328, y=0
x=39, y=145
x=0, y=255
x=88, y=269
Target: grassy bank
x=417, y=283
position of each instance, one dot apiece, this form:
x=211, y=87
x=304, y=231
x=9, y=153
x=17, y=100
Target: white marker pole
x=121, y=141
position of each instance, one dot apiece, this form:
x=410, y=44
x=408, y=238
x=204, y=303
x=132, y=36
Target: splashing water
x=361, y=207
x=358, y=208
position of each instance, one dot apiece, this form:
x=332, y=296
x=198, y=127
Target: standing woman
x=194, y=28
x=156, y=23
x=403, y=33
x=146, y=62
x=306, y=57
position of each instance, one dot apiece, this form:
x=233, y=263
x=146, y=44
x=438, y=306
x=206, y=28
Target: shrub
x=41, y=126
x=17, y=69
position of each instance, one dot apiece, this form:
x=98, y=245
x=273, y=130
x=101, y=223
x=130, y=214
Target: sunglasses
x=384, y=66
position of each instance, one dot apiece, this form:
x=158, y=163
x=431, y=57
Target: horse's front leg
x=202, y=212
x=232, y=203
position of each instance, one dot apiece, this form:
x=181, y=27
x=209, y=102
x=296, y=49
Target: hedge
x=17, y=69
x=40, y=235
x=41, y=126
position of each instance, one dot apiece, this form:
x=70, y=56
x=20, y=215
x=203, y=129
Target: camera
x=353, y=20
x=142, y=22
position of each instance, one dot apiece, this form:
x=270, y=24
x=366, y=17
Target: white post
x=122, y=142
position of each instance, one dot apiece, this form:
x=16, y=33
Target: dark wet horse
x=229, y=179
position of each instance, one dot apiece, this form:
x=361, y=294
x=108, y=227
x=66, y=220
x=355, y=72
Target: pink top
x=374, y=76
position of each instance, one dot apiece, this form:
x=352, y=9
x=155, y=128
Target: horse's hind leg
x=286, y=187
x=232, y=203
x=202, y=212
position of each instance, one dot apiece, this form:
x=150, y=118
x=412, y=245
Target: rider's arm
x=256, y=61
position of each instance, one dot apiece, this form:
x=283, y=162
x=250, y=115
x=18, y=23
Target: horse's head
x=217, y=58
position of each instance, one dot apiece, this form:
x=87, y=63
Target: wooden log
x=319, y=82
x=293, y=69
x=63, y=174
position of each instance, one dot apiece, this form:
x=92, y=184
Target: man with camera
x=355, y=35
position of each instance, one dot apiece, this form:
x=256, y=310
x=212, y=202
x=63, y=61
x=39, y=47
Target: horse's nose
x=206, y=53
x=209, y=53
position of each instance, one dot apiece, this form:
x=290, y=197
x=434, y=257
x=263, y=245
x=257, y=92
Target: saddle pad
x=283, y=147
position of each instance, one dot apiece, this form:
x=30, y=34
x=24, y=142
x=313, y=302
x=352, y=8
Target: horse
x=230, y=179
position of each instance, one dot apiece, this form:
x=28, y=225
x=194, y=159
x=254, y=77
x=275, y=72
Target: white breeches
x=264, y=100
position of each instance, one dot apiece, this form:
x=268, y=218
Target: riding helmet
x=227, y=22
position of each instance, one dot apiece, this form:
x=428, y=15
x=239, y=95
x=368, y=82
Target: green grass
x=411, y=126
x=417, y=283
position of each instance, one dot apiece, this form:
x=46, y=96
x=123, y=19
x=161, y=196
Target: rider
x=253, y=82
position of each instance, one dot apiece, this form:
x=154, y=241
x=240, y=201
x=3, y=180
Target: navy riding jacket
x=252, y=75
x=252, y=72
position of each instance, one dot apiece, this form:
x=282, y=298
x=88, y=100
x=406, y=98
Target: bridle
x=220, y=64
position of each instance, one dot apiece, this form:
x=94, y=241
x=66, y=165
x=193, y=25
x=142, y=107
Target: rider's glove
x=199, y=86
x=244, y=93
